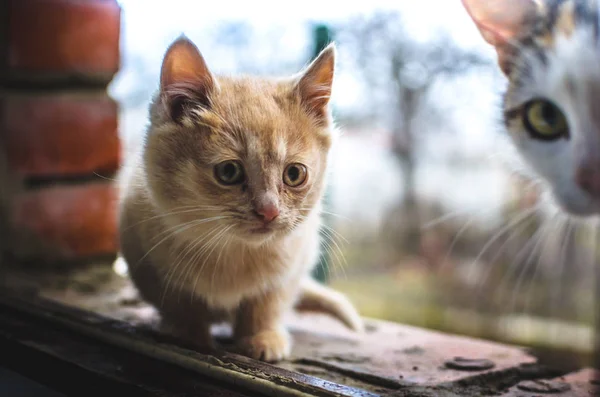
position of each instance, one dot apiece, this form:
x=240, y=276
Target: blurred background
x=428, y=221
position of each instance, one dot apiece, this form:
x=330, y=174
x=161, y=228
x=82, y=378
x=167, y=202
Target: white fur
x=575, y=58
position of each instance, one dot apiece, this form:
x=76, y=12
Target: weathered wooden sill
x=100, y=349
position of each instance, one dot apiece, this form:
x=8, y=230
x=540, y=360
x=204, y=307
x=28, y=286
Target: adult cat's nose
x=588, y=179
x=267, y=210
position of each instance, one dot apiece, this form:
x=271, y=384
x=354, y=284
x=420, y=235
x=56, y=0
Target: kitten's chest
x=226, y=276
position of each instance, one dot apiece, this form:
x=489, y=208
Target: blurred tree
x=254, y=49
x=399, y=73
x=391, y=60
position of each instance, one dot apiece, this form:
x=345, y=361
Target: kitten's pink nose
x=588, y=179
x=267, y=211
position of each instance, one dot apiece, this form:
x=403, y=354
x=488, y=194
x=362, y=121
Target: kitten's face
x=550, y=52
x=250, y=153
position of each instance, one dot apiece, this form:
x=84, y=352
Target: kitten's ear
x=184, y=78
x=501, y=21
x=315, y=83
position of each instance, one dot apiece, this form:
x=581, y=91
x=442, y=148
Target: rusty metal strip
x=231, y=369
x=371, y=379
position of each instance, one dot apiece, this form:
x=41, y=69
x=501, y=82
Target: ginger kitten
x=219, y=212
x=549, y=50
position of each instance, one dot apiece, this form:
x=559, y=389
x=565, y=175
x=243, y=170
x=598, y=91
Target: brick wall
x=59, y=143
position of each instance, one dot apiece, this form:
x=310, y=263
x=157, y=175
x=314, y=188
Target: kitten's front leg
x=197, y=334
x=259, y=327
x=187, y=320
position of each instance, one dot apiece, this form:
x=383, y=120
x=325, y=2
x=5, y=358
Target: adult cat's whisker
x=446, y=217
x=536, y=239
x=472, y=218
x=545, y=238
x=559, y=267
x=514, y=222
x=460, y=232
x=536, y=270
x=518, y=227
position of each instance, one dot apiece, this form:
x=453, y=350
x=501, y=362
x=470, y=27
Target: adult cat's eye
x=544, y=120
x=295, y=175
x=230, y=172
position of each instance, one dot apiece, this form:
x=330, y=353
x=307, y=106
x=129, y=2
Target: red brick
x=56, y=37
x=58, y=134
x=65, y=222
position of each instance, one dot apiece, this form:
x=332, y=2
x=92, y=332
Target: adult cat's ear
x=315, y=83
x=500, y=22
x=185, y=79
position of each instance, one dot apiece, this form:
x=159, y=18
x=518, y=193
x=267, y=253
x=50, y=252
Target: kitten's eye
x=229, y=172
x=544, y=120
x=295, y=175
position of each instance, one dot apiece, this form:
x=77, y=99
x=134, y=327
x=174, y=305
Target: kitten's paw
x=269, y=345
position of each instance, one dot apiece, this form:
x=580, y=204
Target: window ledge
x=110, y=339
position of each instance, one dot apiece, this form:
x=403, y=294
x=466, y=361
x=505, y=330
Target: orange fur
x=190, y=242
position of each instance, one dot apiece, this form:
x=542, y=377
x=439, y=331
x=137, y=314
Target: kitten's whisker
x=183, y=274
x=218, y=261
x=211, y=244
x=207, y=243
x=178, y=263
x=179, y=211
x=175, y=268
x=326, y=213
x=195, y=222
x=216, y=264
x=339, y=253
x=335, y=233
x=223, y=246
x=180, y=230
x=176, y=229
x=192, y=266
